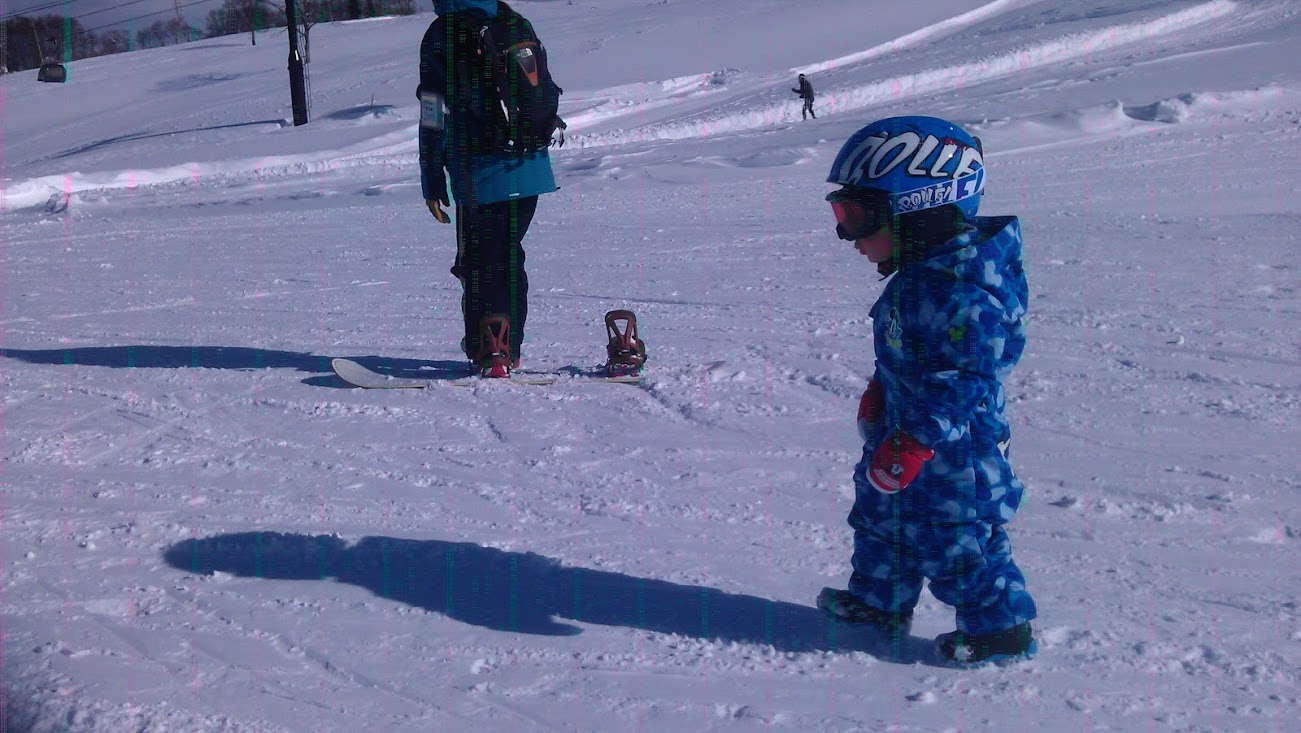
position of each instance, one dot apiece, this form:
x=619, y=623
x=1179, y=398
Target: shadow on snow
x=526, y=593
x=232, y=357
x=88, y=147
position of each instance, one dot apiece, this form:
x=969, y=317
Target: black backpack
x=517, y=101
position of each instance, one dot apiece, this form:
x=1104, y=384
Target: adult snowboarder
x=934, y=488
x=805, y=91
x=496, y=187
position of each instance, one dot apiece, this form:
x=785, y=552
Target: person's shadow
x=526, y=593
x=233, y=357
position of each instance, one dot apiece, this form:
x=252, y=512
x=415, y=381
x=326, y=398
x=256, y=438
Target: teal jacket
x=448, y=150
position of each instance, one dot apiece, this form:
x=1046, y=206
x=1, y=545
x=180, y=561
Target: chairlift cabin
x=52, y=71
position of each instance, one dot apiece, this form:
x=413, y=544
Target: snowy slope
x=203, y=530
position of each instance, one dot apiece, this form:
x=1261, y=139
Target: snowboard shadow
x=527, y=593
x=194, y=81
x=233, y=357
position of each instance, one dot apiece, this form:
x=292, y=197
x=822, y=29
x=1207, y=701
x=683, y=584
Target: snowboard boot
x=493, y=360
x=845, y=606
x=474, y=367
x=1000, y=647
x=626, y=351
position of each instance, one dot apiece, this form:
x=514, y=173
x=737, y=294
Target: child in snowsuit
x=934, y=488
x=806, y=93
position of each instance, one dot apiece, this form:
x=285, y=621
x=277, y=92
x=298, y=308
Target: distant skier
x=934, y=488
x=805, y=91
x=497, y=167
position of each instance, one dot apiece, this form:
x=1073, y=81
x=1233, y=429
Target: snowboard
x=359, y=376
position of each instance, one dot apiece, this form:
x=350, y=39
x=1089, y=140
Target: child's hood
x=987, y=254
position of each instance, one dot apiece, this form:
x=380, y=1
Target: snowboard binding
x=626, y=351
x=494, y=360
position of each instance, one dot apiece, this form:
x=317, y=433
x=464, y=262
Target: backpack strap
x=474, y=78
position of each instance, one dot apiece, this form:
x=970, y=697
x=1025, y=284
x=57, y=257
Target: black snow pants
x=490, y=266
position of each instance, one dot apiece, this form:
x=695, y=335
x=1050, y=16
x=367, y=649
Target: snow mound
x=1116, y=118
x=1203, y=106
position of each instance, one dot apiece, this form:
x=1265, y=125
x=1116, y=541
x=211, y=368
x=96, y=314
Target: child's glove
x=897, y=462
x=870, y=407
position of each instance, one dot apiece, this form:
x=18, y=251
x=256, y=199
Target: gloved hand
x=558, y=134
x=870, y=408
x=436, y=208
x=897, y=462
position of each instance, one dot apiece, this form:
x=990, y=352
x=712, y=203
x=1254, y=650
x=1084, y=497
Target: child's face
x=876, y=247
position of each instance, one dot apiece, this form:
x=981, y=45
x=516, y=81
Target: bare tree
x=32, y=40
x=28, y=41
x=314, y=12
x=311, y=13
x=114, y=41
x=166, y=33
x=238, y=16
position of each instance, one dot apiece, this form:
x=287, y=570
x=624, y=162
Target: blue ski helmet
x=919, y=162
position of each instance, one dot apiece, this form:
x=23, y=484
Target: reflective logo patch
x=893, y=332
x=527, y=61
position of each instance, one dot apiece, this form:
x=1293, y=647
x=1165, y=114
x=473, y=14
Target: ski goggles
x=859, y=212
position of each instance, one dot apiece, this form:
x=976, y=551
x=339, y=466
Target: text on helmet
x=930, y=157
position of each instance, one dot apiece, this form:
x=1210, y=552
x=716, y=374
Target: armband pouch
x=432, y=110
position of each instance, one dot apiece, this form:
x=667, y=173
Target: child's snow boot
x=845, y=606
x=1000, y=647
x=493, y=360
x=626, y=351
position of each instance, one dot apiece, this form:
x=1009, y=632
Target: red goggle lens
x=855, y=220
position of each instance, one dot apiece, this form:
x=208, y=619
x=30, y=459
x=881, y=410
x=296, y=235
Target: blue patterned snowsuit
x=947, y=332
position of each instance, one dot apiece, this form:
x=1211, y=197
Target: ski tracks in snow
x=754, y=108
x=699, y=106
